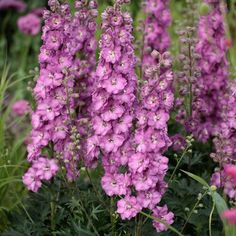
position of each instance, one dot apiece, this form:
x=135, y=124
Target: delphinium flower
x=82, y=34
x=41, y=169
x=55, y=122
x=213, y=66
x=18, y=5
x=156, y=29
x=186, y=76
x=29, y=24
x=133, y=161
x=163, y=214
x=179, y=143
x=157, y=22
x=147, y=164
x=49, y=121
x=113, y=97
x=225, y=145
x=21, y=107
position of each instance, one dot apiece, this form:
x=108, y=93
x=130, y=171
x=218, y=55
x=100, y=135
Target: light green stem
x=178, y=163
x=210, y=218
x=191, y=212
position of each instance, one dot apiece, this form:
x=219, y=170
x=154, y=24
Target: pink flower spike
x=230, y=215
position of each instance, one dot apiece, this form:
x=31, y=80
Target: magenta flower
x=128, y=207
x=45, y=168
x=114, y=84
x=178, y=142
x=31, y=180
x=230, y=170
x=112, y=143
x=29, y=24
x=111, y=55
x=113, y=113
x=138, y=162
x=162, y=214
x=115, y=184
x=21, y=107
x=213, y=65
x=42, y=169
x=158, y=119
x=149, y=199
x=230, y=215
x=156, y=28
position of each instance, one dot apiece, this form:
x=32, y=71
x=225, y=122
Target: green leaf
x=221, y=205
x=197, y=178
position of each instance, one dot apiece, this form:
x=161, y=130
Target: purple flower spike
x=213, y=65
x=63, y=87
x=113, y=95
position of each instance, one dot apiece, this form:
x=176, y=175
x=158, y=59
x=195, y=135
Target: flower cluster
x=113, y=94
x=83, y=40
x=41, y=169
x=21, y=107
x=179, y=143
x=213, y=65
x=147, y=165
x=156, y=27
x=132, y=151
x=163, y=214
x=18, y=5
x=29, y=24
x=129, y=133
x=187, y=76
x=55, y=124
x=225, y=145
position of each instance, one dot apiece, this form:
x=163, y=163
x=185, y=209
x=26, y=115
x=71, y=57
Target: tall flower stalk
x=55, y=136
x=113, y=99
x=156, y=29
x=225, y=144
x=213, y=65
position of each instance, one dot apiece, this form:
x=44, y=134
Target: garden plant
x=117, y=117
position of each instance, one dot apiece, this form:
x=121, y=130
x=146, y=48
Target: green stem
x=99, y=196
x=190, y=82
x=52, y=217
x=178, y=163
x=210, y=218
x=26, y=212
x=89, y=218
x=25, y=55
x=138, y=226
x=191, y=212
x=112, y=218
